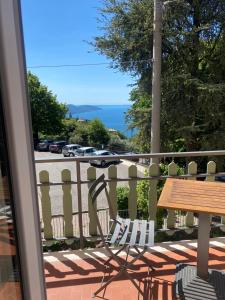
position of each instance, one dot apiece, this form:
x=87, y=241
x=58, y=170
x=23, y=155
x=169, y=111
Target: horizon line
x=93, y=104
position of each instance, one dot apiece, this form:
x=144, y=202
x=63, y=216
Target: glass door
x=21, y=262
x=10, y=278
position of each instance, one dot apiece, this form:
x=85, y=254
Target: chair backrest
x=95, y=189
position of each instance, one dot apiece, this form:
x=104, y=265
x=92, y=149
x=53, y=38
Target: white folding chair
x=126, y=234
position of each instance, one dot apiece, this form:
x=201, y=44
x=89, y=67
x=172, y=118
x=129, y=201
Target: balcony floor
x=77, y=274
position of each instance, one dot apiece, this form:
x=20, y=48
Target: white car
x=85, y=151
x=103, y=163
x=69, y=150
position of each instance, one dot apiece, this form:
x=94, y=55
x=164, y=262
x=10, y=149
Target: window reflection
x=10, y=287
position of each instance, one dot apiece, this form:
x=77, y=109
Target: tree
x=139, y=116
x=193, y=87
x=122, y=193
x=69, y=126
x=47, y=113
x=119, y=145
x=98, y=135
x=80, y=135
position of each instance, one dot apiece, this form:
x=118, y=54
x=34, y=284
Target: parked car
x=103, y=163
x=220, y=178
x=57, y=146
x=85, y=151
x=44, y=145
x=70, y=150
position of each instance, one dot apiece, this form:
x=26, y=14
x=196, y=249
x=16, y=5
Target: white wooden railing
x=81, y=223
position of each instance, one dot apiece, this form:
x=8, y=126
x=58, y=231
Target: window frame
x=16, y=110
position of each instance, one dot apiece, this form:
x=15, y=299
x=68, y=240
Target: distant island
x=76, y=109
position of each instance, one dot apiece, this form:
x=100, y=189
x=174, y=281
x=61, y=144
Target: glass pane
x=10, y=287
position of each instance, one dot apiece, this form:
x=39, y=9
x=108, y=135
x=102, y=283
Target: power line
x=83, y=64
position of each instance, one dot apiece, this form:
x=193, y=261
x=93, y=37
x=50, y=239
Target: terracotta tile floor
x=76, y=275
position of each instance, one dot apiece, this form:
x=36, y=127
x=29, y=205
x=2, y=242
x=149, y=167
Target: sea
x=112, y=116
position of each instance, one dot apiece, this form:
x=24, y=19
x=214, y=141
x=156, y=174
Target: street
x=55, y=170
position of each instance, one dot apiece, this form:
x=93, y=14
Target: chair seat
x=133, y=233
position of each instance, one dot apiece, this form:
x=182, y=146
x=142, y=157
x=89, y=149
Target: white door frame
x=17, y=117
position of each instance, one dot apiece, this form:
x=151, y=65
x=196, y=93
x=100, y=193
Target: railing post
x=211, y=169
x=152, y=195
x=171, y=218
x=112, y=174
x=91, y=175
x=46, y=205
x=192, y=170
x=67, y=203
x=79, y=199
x=132, y=196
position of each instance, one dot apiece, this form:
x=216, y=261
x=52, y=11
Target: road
x=55, y=170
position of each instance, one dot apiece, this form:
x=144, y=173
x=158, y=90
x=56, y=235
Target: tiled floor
x=76, y=275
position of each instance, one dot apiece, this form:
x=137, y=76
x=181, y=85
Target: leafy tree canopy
x=47, y=113
x=98, y=135
x=69, y=126
x=80, y=135
x=193, y=67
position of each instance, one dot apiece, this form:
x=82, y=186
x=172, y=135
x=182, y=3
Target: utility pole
x=156, y=79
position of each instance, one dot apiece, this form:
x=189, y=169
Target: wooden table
x=203, y=197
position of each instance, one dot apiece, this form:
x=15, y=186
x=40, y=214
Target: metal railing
x=132, y=180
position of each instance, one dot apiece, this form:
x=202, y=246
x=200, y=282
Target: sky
x=56, y=33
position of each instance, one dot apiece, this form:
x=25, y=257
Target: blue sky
x=54, y=33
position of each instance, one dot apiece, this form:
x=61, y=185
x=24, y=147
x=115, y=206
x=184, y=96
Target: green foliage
x=164, y=171
x=142, y=196
x=98, y=135
x=193, y=87
x=139, y=117
x=122, y=197
x=68, y=129
x=91, y=133
x=177, y=146
x=63, y=245
x=54, y=137
x=69, y=126
x=47, y=112
x=121, y=135
x=119, y=145
x=80, y=135
x=127, y=34
x=143, y=202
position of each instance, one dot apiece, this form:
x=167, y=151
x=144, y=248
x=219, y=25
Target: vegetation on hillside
x=49, y=121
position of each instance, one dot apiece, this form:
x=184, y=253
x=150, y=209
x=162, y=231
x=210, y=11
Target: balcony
x=67, y=221
x=77, y=274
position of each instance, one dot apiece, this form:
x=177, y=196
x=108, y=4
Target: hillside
x=76, y=109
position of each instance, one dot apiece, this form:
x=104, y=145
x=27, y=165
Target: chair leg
x=140, y=254
x=111, y=257
x=144, y=258
x=107, y=283
x=134, y=283
x=123, y=269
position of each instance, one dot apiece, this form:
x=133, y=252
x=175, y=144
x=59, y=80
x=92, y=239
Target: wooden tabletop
x=195, y=196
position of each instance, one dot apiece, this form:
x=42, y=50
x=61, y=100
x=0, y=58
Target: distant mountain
x=76, y=109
